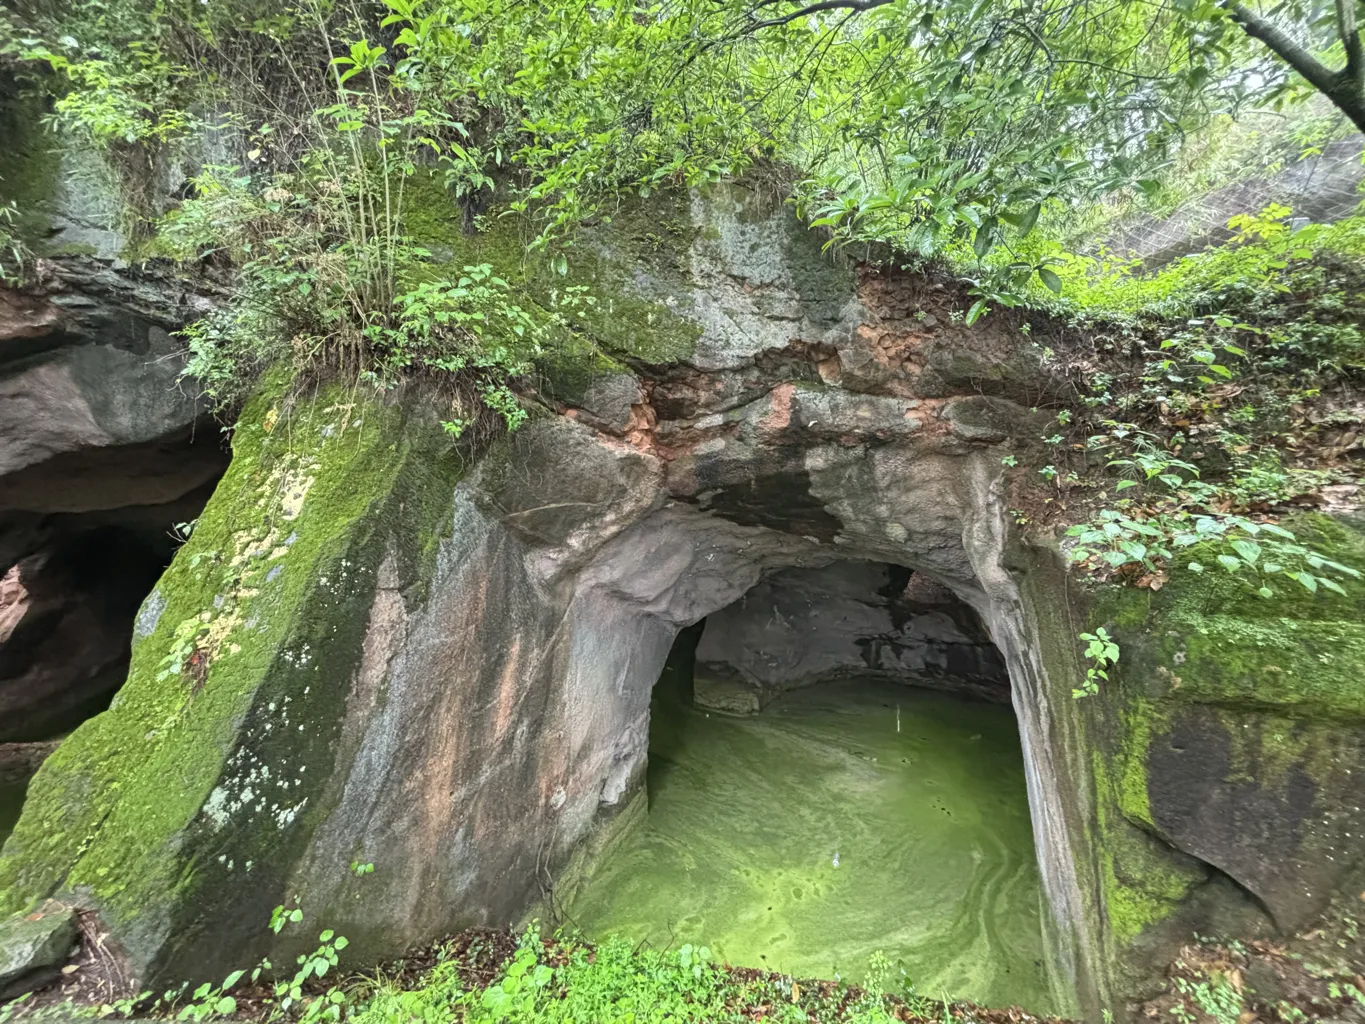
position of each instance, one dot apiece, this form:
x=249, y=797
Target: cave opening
x=83, y=540
x=835, y=773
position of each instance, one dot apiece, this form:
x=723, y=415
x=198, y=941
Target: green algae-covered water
x=844, y=819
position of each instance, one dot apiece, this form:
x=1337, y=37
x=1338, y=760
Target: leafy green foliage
x=941, y=128
x=1254, y=552
x=328, y=281
x=133, y=99
x=1101, y=652
x=1253, y=263
x=1214, y=996
x=315, y=965
x=1199, y=430
x=612, y=983
x=14, y=254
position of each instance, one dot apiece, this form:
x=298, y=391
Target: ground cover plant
x=490, y=976
x=487, y=976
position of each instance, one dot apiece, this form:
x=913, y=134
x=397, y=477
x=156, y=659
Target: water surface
x=919, y=794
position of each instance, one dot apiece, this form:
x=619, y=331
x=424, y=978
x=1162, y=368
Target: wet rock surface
x=103, y=452
x=34, y=946
x=20, y=761
x=802, y=626
x=443, y=664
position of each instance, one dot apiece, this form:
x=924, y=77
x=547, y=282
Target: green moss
x=1280, y=676
x=434, y=219
x=29, y=161
x=241, y=659
x=636, y=265
x=1137, y=900
x=1142, y=885
x=1141, y=718
x=624, y=315
x=1209, y=639
x=571, y=367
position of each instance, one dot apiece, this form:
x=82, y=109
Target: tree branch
x=1318, y=75
x=852, y=6
x=1343, y=87
x=1350, y=40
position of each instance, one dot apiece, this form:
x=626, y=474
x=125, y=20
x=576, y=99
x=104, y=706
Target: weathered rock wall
x=376, y=649
x=1228, y=755
x=103, y=450
x=850, y=618
x=223, y=735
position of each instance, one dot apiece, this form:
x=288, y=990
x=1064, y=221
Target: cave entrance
x=83, y=539
x=835, y=771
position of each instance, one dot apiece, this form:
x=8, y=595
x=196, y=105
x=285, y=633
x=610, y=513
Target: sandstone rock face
x=376, y=649
x=34, y=947
x=463, y=699
x=102, y=451
x=86, y=362
x=803, y=626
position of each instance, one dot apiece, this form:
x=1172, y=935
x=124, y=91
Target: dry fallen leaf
x=70, y=968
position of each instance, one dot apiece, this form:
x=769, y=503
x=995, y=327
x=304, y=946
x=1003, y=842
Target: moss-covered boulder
x=180, y=812
x=1230, y=752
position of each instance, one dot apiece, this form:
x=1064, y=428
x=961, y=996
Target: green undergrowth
x=1263, y=248
x=493, y=977
x=611, y=296
x=1201, y=404
x=568, y=982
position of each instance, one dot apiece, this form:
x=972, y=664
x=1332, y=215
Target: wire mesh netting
x=1320, y=188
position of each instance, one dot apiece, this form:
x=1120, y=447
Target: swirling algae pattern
x=844, y=819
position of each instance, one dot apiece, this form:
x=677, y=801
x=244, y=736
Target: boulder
x=1233, y=743
x=34, y=946
x=725, y=692
x=103, y=451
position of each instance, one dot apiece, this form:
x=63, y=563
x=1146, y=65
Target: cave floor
x=922, y=797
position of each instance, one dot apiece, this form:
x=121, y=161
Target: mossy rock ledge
x=377, y=648
x=1229, y=756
